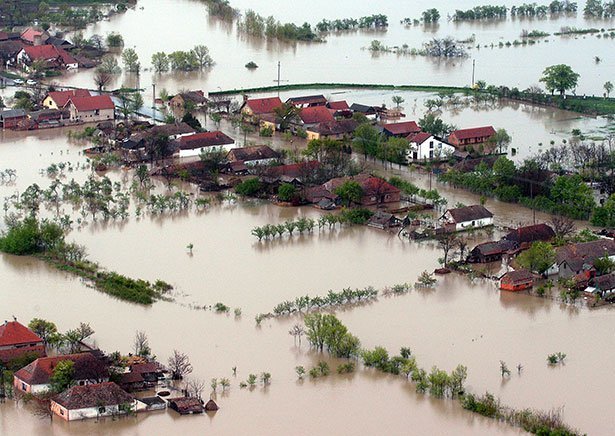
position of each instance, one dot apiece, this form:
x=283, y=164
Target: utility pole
x=473, y=70
x=154, y=101
x=279, y=79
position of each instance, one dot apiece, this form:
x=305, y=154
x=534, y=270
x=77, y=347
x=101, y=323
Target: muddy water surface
x=458, y=322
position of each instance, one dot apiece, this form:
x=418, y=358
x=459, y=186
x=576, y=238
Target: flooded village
x=392, y=218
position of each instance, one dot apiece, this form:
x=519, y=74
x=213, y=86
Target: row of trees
x=554, y=8
x=480, y=13
x=195, y=59
x=256, y=25
x=599, y=9
x=376, y=21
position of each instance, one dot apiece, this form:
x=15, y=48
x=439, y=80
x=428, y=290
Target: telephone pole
x=473, y=70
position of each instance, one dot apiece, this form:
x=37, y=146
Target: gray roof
x=12, y=113
x=470, y=213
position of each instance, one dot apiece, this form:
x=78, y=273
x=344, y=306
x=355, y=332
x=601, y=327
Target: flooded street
x=182, y=24
x=458, y=322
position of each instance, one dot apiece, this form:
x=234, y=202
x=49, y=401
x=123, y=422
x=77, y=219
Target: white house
x=468, y=217
x=425, y=146
x=194, y=145
x=254, y=155
x=92, y=401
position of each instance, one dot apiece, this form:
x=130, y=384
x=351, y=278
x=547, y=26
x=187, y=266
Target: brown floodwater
x=182, y=24
x=459, y=322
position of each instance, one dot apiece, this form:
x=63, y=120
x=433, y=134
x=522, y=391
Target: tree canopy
x=559, y=78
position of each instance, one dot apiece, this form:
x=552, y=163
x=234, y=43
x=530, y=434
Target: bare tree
x=180, y=365
x=141, y=344
x=296, y=332
x=562, y=226
x=462, y=244
x=447, y=243
x=195, y=387
x=102, y=79
x=41, y=407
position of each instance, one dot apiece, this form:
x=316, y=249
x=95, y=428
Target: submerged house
x=182, y=100
x=186, y=405
x=256, y=108
x=91, y=109
x=603, y=286
x=383, y=220
x=36, y=377
x=525, y=236
x=464, y=218
x=401, y=130
x=518, y=280
x=342, y=129
x=491, y=251
x=375, y=189
x=307, y=101
x=58, y=99
x=194, y=145
x=253, y=155
x=17, y=340
x=92, y=401
x=475, y=135
x=10, y=118
x=575, y=259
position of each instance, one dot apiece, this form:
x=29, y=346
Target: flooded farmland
x=459, y=322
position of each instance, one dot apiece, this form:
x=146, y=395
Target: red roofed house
x=342, y=129
x=193, y=145
x=91, y=109
x=340, y=109
x=425, y=146
x=401, y=130
x=297, y=173
x=92, y=401
x=34, y=37
x=307, y=101
x=257, y=107
x=312, y=116
x=58, y=99
x=477, y=135
x=375, y=189
x=517, y=280
x=36, y=377
x=54, y=57
x=17, y=340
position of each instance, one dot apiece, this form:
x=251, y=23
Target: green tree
x=366, y=139
x=604, y=215
x=115, y=40
x=203, y=58
x=572, y=197
x=130, y=58
x=286, y=192
x=286, y=114
x=604, y=265
x=43, y=328
x=430, y=123
x=398, y=100
x=350, y=192
x=504, y=170
x=109, y=65
x=608, y=87
x=501, y=139
x=249, y=188
x=539, y=257
x=559, y=78
x=160, y=62
x=62, y=376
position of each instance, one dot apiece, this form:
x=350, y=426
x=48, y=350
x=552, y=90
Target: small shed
x=490, y=251
x=151, y=403
x=211, y=406
x=186, y=405
x=383, y=220
x=518, y=280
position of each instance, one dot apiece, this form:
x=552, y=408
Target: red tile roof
x=39, y=372
x=15, y=333
x=371, y=185
x=536, y=232
x=49, y=53
x=96, y=395
x=4, y=36
x=518, y=276
x=297, y=170
x=206, y=139
x=418, y=138
x=338, y=105
x=404, y=128
x=30, y=33
x=476, y=132
x=94, y=102
x=263, y=105
x=252, y=153
x=309, y=99
x=61, y=97
x=315, y=115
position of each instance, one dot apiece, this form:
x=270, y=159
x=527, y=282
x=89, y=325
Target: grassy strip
x=125, y=288
x=297, y=86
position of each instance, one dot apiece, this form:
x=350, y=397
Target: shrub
x=249, y=188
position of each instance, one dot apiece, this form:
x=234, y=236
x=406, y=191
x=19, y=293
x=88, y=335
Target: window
x=62, y=412
x=24, y=387
x=101, y=410
x=430, y=144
